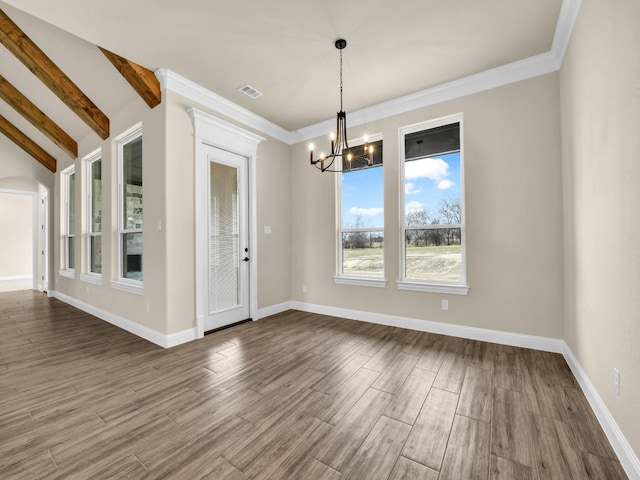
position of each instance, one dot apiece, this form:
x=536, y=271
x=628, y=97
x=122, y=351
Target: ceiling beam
x=20, y=45
x=28, y=145
x=141, y=79
x=38, y=119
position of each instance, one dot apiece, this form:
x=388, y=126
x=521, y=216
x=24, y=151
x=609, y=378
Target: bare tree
x=451, y=211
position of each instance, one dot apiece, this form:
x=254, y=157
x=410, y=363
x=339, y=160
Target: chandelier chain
x=341, y=80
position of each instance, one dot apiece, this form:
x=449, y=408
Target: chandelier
x=342, y=157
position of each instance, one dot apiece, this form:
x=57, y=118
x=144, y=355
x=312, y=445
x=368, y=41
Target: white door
x=228, y=239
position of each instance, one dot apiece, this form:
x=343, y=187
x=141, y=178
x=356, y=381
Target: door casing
x=214, y=132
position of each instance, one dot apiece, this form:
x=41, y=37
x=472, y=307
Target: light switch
x=267, y=230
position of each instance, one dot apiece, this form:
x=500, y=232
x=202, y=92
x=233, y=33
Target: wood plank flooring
x=294, y=396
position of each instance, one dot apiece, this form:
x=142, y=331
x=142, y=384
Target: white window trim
x=66, y=271
x=415, y=285
x=121, y=283
x=89, y=276
x=127, y=285
x=94, y=278
x=356, y=280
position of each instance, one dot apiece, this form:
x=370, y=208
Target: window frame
x=345, y=279
x=90, y=160
x=68, y=271
x=123, y=283
x=454, y=288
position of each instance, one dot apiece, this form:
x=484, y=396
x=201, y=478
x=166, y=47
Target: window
x=433, y=231
x=94, y=229
x=70, y=223
x=361, y=221
x=131, y=206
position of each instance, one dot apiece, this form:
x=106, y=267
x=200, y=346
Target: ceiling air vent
x=249, y=90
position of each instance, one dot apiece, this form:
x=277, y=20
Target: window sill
x=129, y=286
x=93, y=278
x=433, y=287
x=361, y=282
x=67, y=273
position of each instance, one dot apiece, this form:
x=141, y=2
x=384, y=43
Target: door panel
x=228, y=272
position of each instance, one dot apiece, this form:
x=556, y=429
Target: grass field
x=442, y=263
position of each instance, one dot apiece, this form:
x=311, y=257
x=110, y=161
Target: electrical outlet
x=616, y=381
x=304, y=289
x=445, y=304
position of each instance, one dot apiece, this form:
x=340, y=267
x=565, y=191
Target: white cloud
x=410, y=188
x=445, y=184
x=413, y=206
x=434, y=169
x=369, y=212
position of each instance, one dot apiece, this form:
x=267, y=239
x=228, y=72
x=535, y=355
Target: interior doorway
x=24, y=245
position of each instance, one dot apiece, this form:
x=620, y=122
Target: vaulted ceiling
x=283, y=48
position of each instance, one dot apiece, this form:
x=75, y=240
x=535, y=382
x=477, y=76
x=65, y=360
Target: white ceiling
x=283, y=48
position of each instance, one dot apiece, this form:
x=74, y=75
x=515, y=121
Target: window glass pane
x=71, y=263
x=72, y=204
x=96, y=196
x=132, y=184
x=434, y=254
x=96, y=253
x=132, y=256
x=363, y=198
x=363, y=254
x=434, y=141
x=432, y=190
x=224, y=239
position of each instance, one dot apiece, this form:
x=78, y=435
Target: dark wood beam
x=28, y=145
x=37, y=118
x=20, y=45
x=141, y=79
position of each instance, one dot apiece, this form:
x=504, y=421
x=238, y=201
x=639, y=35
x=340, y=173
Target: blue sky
x=427, y=182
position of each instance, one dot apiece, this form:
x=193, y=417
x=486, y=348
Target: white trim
x=123, y=283
x=130, y=326
x=433, y=287
x=517, y=71
x=12, y=278
x=625, y=453
x=212, y=131
x=566, y=21
x=411, y=283
x=67, y=273
x=129, y=286
x=272, y=310
x=183, y=86
x=93, y=278
x=546, y=344
x=178, y=338
x=360, y=281
x=90, y=161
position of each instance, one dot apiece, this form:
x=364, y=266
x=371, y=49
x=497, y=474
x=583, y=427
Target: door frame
x=214, y=132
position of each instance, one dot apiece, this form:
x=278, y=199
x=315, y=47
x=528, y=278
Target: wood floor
x=294, y=396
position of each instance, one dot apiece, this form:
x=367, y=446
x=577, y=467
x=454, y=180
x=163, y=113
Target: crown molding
x=517, y=71
x=170, y=80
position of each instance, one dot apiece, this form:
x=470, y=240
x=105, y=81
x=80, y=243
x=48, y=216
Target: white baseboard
x=626, y=455
x=11, y=278
x=147, y=333
x=273, y=310
x=546, y=344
